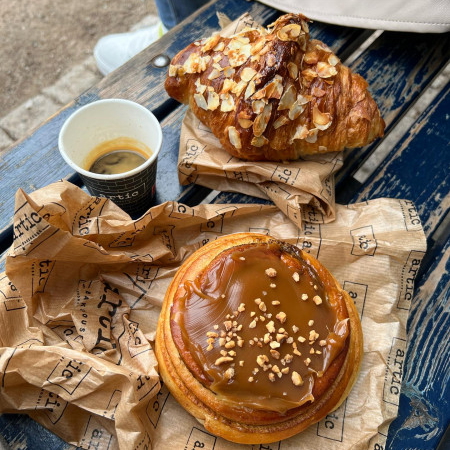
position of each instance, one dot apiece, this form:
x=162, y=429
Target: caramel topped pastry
x=257, y=339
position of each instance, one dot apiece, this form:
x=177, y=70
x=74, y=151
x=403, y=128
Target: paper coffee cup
x=114, y=125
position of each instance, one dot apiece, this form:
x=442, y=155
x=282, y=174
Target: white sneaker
x=113, y=50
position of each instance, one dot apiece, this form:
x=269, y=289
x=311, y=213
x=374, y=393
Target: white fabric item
x=113, y=50
x=421, y=16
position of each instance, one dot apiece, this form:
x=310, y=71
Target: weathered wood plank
x=424, y=411
x=398, y=68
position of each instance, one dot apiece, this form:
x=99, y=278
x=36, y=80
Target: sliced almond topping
x=245, y=123
x=333, y=60
x=295, y=110
x=227, y=103
x=214, y=74
x=213, y=101
x=281, y=120
x=259, y=141
x=262, y=120
x=325, y=70
x=250, y=90
x=289, y=32
x=288, y=98
x=293, y=70
x=258, y=106
x=321, y=120
x=301, y=132
x=311, y=58
x=211, y=42
x=312, y=136
x=200, y=100
x=247, y=73
x=235, y=137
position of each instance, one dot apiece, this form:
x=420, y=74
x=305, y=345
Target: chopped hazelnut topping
x=296, y=352
x=273, y=285
x=288, y=358
x=301, y=339
x=216, y=327
x=222, y=341
x=281, y=316
x=313, y=335
x=296, y=276
x=271, y=377
x=242, y=258
x=275, y=302
x=241, y=363
x=275, y=354
x=271, y=272
x=295, y=328
x=261, y=360
x=252, y=324
x=232, y=353
x=311, y=323
x=228, y=325
x=317, y=300
x=223, y=352
x=229, y=373
x=322, y=343
x=222, y=360
x=304, y=297
x=274, y=344
x=285, y=370
x=296, y=379
x=258, y=301
x=230, y=344
x=275, y=369
x=307, y=362
x=290, y=340
x=267, y=338
x=250, y=379
x=280, y=337
x=252, y=314
x=270, y=327
x=212, y=334
x=241, y=307
x=312, y=351
x=262, y=306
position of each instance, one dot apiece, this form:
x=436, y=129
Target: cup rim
x=115, y=176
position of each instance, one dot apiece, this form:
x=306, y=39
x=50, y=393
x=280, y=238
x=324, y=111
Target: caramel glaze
x=258, y=328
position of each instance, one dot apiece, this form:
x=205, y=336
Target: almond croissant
x=274, y=94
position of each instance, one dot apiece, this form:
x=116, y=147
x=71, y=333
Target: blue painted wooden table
x=404, y=71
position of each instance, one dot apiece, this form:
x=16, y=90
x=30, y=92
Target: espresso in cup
x=119, y=155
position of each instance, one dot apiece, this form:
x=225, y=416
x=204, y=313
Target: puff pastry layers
x=256, y=339
x=274, y=94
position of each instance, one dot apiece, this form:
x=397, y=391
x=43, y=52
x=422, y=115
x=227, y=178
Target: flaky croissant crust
x=274, y=94
x=233, y=423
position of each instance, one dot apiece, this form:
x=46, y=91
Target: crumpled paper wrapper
x=81, y=295
x=302, y=189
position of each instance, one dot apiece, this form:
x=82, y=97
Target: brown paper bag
x=81, y=295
